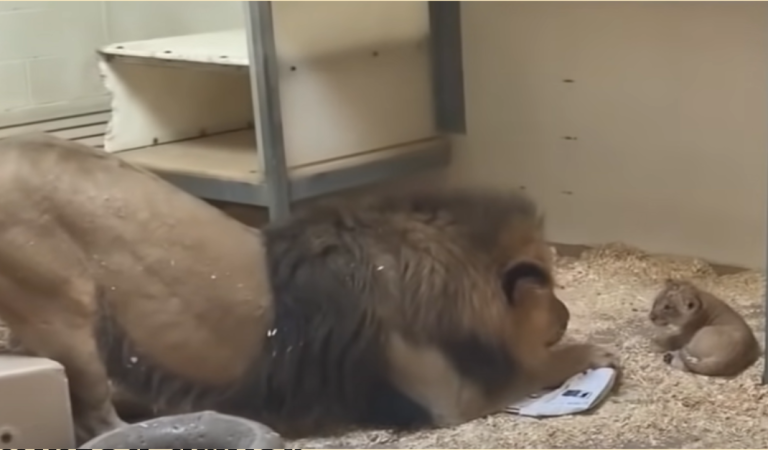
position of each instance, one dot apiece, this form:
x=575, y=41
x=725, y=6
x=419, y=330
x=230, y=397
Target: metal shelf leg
x=265, y=90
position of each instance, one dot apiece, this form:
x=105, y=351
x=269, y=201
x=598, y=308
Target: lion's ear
x=693, y=302
x=524, y=270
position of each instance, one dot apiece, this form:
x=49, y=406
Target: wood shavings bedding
x=608, y=290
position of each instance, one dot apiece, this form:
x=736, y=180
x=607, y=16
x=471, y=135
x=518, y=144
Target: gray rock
x=206, y=429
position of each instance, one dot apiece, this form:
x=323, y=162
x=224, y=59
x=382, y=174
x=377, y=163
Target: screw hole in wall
x=293, y=68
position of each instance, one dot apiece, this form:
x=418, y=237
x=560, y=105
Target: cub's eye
x=667, y=307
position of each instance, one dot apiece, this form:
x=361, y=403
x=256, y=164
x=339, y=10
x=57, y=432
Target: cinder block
x=35, y=410
x=63, y=78
x=13, y=85
x=27, y=34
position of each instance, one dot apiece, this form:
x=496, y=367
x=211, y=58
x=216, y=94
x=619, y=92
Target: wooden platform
x=307, y=31
x=355, y=102
x=233, y=157
x=88, y=129
x=225, y=49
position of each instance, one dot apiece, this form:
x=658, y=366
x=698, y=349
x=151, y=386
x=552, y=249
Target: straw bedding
x=608, y=291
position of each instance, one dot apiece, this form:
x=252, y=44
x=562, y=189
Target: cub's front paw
x=602, y=357
x=659, y=344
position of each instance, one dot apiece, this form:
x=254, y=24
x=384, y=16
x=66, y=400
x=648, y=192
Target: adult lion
x=403, y=311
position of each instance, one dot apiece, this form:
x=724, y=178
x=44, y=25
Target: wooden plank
x=306, y=31
x=93, y=141
x=224, y=48
x=73, y=134
x=58, y=124
x=229, y=156
x=233, y=157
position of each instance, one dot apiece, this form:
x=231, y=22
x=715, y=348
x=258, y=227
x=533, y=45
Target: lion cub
x=711, y=339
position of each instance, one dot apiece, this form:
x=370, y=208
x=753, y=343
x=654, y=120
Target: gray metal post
x=265, y=91
x=447, y=66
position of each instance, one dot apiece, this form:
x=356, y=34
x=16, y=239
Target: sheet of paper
x=579, y=394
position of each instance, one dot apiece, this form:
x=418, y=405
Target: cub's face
x=675, y=305
x=530, y=291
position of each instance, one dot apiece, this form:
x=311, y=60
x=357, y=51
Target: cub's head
x=676, y=304
x=530, y=290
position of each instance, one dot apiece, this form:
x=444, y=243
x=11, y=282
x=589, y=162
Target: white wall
x=669, y=104
x=47, y=59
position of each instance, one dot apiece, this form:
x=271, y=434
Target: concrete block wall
x=47, y=48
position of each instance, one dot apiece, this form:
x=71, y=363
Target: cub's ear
x=528, y=271
x=693, y=302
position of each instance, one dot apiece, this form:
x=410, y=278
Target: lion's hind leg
x=60, y=327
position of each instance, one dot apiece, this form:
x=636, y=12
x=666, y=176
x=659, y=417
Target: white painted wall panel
x=14, y=87
x=47, y=49
x=669, y=105
x=130, y=21
x=62, y=78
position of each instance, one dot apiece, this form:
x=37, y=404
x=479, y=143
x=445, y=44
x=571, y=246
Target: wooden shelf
x=226, y=49
x=86, y=129
x=327, y=89
x=225, y=166
x=307, y=31
x=228, y=156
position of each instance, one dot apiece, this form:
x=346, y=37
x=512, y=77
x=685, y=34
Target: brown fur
x=401, y=311
x=711, y=339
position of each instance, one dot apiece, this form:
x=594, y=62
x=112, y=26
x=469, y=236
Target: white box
x=35, y=410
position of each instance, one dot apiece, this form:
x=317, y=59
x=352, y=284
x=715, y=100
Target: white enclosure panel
x=81, y=128
x=227, y=48
x=50, y=42
x=60, y=78
x=668, y=102
x=156, y=104
x=331, y=107
x=12, y=6
x=47, y=48
x=14, y=85
x=129, y=21
x=231, y=157
x=304, y=31
x=345, y=106
x=307, y=30
x=51, y=29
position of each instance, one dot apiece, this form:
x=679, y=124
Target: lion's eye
x=667, y=307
